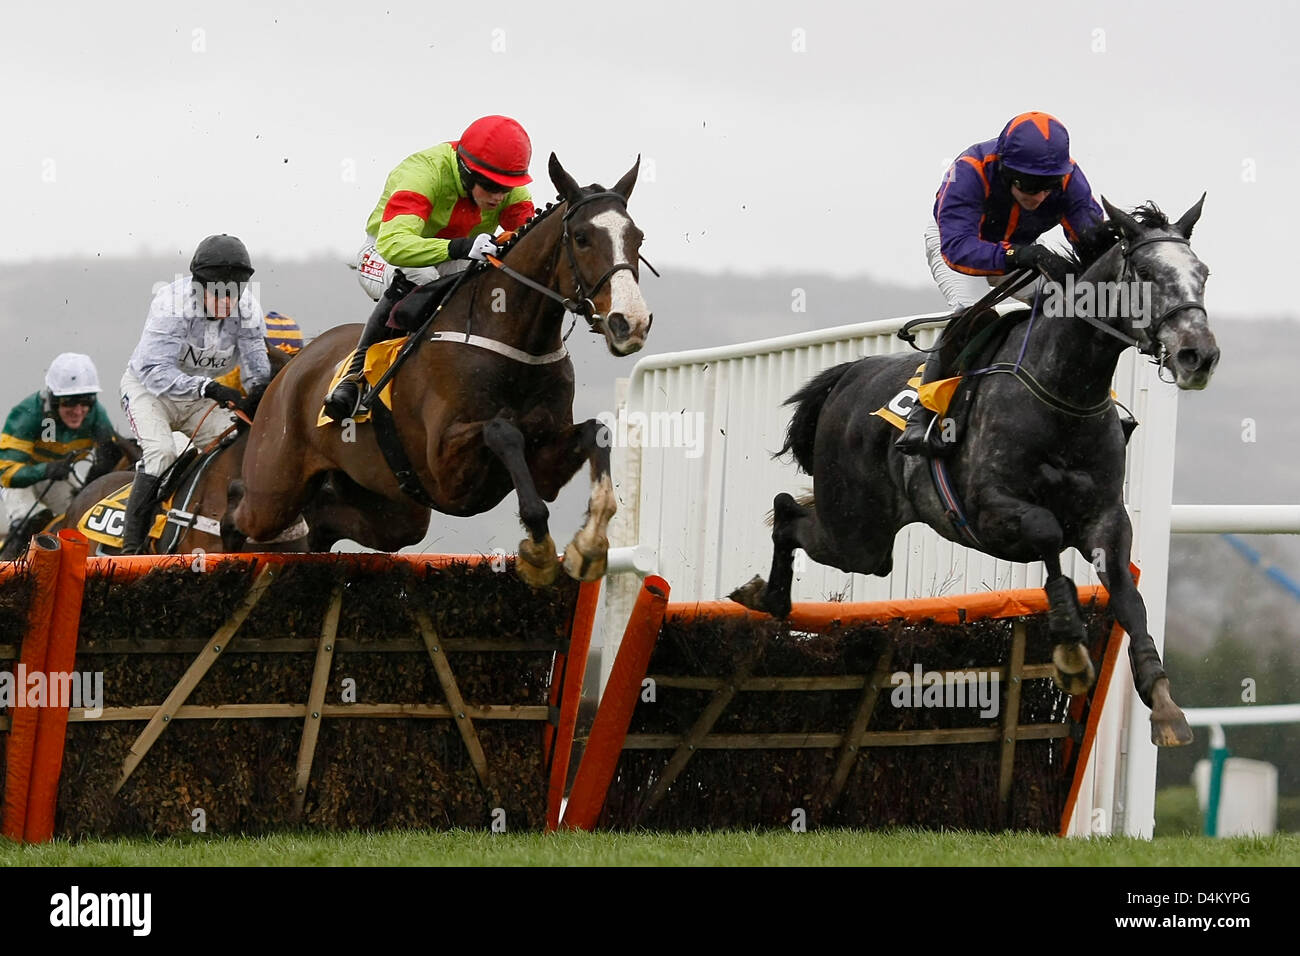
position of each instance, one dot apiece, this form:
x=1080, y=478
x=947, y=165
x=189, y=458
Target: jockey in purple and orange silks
x=995, y=200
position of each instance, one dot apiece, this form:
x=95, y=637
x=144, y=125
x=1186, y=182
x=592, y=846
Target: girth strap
x=390, y=445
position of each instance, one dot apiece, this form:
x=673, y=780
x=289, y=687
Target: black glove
x=1034, y=256
x=223, y=395
x=60, y=468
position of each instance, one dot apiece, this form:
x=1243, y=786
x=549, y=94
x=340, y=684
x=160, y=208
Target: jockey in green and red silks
x=998, y=197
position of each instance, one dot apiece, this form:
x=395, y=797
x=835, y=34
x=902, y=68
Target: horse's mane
x=1095, y=243
x=524, y=229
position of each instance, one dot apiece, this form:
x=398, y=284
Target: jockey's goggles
x=70, y=401
x=1035, y=184
x=488, y=186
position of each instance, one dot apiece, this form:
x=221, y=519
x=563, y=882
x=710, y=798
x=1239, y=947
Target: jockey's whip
x=412, y=343
x=995, y=295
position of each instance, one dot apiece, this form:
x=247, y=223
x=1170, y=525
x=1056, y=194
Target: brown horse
x=200, y=504
x=477, y=416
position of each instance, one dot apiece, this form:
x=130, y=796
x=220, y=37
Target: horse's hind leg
x=795, y=525
x=1113, y=537
x=538, y=564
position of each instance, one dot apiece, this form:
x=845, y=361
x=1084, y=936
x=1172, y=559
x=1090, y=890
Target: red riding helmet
x=497, y=148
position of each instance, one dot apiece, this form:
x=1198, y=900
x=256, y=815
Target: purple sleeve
x=958, y=211
x=1081, y=211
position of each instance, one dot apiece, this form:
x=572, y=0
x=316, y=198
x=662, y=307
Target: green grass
x=745, y=848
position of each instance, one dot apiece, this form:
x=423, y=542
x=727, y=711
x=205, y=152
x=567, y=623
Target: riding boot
x=913, y=441
x=139, y=512
x=342, y=402
x=21, y=532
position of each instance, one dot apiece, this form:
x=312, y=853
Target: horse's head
x=1171, y=322
x=601, y=258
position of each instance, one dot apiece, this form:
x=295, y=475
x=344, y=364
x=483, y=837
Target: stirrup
x=339, y=404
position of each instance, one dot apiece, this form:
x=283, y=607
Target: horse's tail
x=808, y=402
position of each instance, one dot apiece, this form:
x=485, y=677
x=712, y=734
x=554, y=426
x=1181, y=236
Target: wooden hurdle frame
x=59, y=565
x=609, y=735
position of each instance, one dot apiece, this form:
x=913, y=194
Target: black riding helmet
x=221, y=258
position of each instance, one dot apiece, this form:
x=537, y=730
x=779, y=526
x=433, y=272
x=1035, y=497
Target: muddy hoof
x=580, y=567
x=537, y=564
x=1073, y=670
x=750, y=594
x=1171, y=730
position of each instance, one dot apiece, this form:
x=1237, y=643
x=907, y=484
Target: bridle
x=584, y=304
x=1153, y=346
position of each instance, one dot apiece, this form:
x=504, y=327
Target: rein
x=583, y=305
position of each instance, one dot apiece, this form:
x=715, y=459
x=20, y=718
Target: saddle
x=105, y=521
x=420, y=303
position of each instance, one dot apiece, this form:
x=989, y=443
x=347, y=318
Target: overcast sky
x=775, y=136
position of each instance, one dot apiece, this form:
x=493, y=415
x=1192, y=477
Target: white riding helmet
x=72, y=374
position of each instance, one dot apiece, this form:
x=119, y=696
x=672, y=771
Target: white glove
x=483, y=246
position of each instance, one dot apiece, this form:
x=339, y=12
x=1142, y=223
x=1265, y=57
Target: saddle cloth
x=379, y=358
x=105, y=521
x=936, y=396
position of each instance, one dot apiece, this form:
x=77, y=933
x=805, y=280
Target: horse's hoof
x=750, y=594
x=1073, y=671
x=581, y=567
x=537, y=564
x=1170, y=729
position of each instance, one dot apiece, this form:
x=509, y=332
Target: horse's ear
x=1184, y=226
x=564, y=184
x=1127, y=224
x=624, y=186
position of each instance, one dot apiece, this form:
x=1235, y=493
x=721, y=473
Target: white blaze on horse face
x=1183, y=276
x=624, y=292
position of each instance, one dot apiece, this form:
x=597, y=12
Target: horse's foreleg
x=538, y=564
x=232, y=539
x=585, y=557
x=1011, y=519
x=1169, y=726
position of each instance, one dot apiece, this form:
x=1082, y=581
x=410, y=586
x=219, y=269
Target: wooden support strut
x=1010, y=720
x=703, y=724
x=849, y=749
x=316, y=699
x=193, y=674
x=457, y=703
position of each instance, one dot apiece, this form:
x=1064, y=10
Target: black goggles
x=71, y=401
x=488, y=186
x=1035, y=184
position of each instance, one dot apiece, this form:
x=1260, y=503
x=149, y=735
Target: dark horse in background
x=1036, y=475
x=474, y=418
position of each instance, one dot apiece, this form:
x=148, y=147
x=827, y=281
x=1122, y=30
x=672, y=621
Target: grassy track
x=768, y=848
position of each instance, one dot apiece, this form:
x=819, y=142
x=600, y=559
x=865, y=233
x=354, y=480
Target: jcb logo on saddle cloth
x=935, y=396
x=106, y=520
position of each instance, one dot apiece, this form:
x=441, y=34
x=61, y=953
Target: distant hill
x=98, y=306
